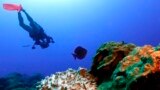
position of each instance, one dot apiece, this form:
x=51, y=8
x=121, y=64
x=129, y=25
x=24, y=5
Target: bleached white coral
x=69, y=80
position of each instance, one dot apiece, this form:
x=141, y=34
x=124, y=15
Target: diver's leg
x=28, y=16
x=21, y=23
x=32, y=22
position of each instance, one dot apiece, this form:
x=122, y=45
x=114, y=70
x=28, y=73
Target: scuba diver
x=35, y=31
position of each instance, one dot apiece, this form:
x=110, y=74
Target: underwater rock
x=3, y=83
x=69, y=80
x=148, y=82
x=107, y=58
x=140, y=70
x=17, y=81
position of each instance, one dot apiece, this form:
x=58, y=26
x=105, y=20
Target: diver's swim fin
x=12, y=7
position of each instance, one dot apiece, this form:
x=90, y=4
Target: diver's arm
x=33, y=46
x=49, y=39
x=21, y=23
x=37, y=42
x=52, y=41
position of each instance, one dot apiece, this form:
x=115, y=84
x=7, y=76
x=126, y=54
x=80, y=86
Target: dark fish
x=79, y=52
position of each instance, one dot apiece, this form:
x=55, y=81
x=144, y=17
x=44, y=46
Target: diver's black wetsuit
x=36, y=32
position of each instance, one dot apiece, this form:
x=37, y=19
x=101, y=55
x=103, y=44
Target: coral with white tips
x=69, y=80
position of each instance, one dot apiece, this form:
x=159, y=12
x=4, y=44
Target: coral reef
x=107, y=58
x=116, y=66
x=69, y=80
x=17, y=81
x=140, y=70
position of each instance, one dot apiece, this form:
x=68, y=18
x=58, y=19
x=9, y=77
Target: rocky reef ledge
x=116, y=66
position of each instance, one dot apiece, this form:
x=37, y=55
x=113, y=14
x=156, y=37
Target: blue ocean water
x=72, y=23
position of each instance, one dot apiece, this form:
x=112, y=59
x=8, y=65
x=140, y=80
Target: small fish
x=79, y=52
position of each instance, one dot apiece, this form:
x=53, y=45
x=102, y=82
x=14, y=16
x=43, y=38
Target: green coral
x=124, y=77
x=107, y=57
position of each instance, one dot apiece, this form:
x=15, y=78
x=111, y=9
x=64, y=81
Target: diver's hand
x=52, y=41
x=33, y=47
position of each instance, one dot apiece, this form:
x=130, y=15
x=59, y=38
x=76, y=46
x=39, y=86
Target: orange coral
x=136, y=55
x=141, y=63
